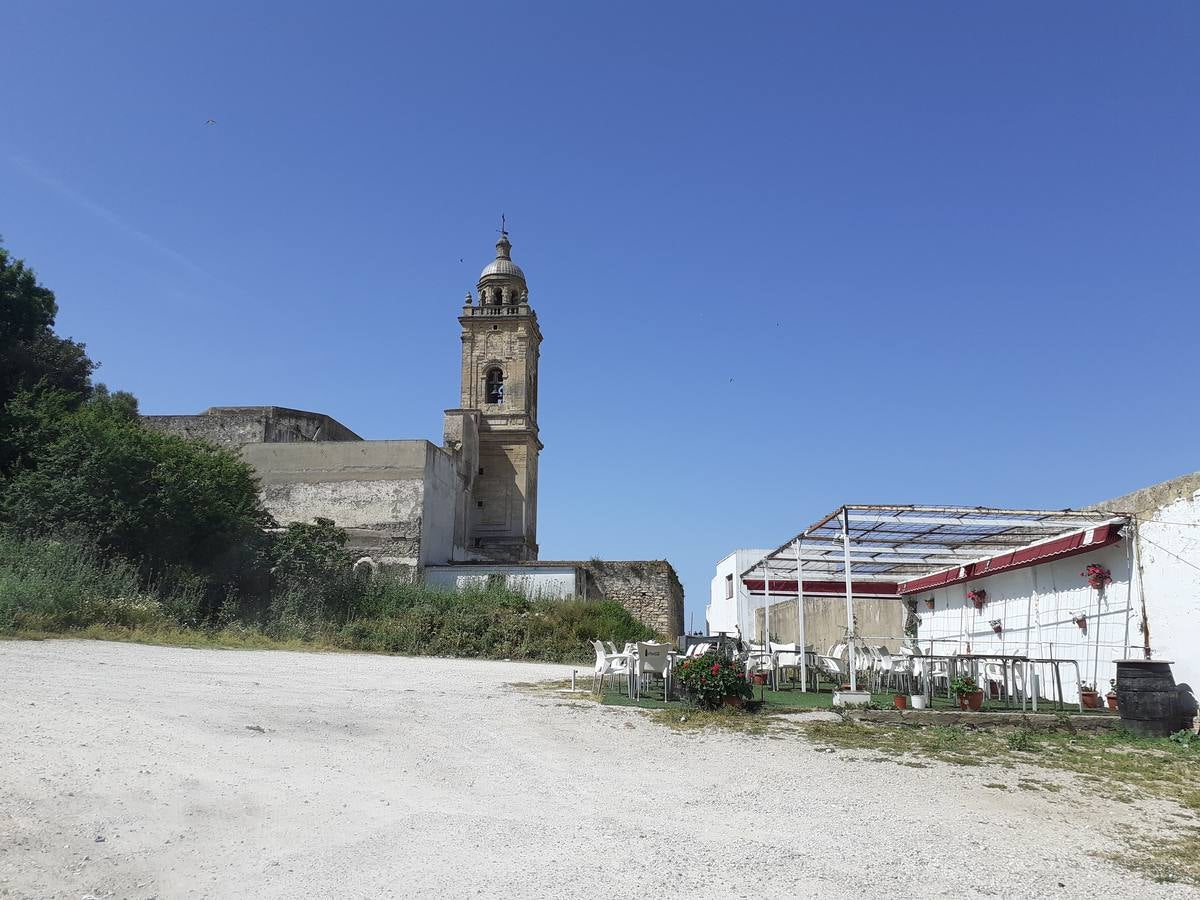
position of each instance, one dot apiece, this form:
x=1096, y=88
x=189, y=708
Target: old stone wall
x=649, y=589
x=233, y=427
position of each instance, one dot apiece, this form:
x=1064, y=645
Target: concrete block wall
x=880, y=621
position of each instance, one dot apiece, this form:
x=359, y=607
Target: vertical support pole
x=800, y=617
x=767, y=609
x=1129, y=539
x=852, y=662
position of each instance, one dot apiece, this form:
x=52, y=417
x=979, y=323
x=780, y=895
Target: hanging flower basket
x=977, y=597
x=1097, y=576
x=1081, y=621
x=929, y=603
x=997, y=626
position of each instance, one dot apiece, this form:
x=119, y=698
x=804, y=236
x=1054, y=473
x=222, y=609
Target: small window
x=494, y=385
x=479, y=503
x=728, y=587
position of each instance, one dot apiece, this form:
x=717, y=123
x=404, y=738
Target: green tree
x=33, y=359
x=97, y=474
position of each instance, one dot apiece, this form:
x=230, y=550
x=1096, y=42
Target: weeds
x=50, y=588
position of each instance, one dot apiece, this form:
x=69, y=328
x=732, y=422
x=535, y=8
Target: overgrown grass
x=52, y=588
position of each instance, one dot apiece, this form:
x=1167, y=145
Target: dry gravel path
x=380, y=776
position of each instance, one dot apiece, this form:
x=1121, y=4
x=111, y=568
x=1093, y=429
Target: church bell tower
x=500, y=345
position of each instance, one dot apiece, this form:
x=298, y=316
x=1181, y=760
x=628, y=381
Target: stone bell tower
x=500, y=345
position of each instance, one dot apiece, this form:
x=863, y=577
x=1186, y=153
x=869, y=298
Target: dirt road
x=131, y=771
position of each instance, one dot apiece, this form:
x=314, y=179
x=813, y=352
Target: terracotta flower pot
x=900, y=701
x=759, y=677
x=1091, y=699
x=735, y=702
x=1111, y=698
x=929, y=604
x=970, y=702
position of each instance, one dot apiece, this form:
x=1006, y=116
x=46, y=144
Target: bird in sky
x=211, y=122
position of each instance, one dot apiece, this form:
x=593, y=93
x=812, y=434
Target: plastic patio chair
x=652, y=659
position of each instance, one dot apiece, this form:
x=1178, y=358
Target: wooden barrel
x=1146, y=697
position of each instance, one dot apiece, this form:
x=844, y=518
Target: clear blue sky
x=784, y=256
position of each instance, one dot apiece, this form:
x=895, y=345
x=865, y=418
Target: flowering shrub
x=1097, y=576
x=710, y=678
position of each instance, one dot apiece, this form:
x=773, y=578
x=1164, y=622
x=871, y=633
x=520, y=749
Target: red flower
x=716, y=668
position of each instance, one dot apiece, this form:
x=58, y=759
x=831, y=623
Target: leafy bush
x=964, y=684
x=710, y=678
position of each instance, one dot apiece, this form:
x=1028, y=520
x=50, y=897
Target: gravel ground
x=133, y=771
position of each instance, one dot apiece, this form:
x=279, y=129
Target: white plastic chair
x=652, y=659
x=784, y=656
x=607, y=664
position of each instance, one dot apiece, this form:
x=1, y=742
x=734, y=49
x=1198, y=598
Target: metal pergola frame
x=873, y=542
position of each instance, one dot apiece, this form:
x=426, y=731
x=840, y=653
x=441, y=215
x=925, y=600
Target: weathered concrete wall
x=373, y=489
x=880, y=621
x=439, y=501
x=649, y=589
x=235, y=426
x=539, y=582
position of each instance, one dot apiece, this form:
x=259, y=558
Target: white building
x=1013, y=582
x=730, y=606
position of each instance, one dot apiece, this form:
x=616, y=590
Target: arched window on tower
x=494, y=384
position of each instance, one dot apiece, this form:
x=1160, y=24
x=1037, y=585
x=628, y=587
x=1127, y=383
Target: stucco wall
x=1168, y=528
x=732, y=614
x=1036, y=607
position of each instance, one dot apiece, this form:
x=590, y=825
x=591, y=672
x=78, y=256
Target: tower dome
x=502, y=265
x=502, y=283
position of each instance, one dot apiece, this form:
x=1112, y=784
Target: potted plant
x=712, y=680
x=900, y=701
x=929, y=603
x=1097, y=576
x=1111, y=696
x=978, y=597
x=1081, y=620
x=997, y=626
x=1089, y=696
x=970, y=697
x=917, y=701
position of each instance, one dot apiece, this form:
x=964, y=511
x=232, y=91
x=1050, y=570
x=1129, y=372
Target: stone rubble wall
x=649, y=589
